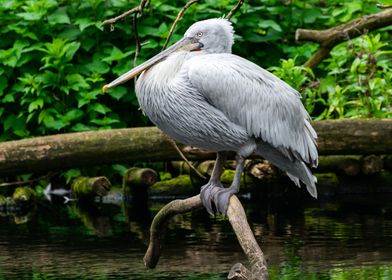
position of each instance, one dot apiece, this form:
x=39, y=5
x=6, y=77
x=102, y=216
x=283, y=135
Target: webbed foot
x=220, y=196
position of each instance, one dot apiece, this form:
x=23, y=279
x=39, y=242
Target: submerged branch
x=238, y=220
x=159, y=224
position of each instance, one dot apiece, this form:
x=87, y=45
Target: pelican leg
x=222, y=196
x=213, y=191
x=207, y=191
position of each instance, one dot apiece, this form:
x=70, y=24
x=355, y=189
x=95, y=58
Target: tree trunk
x=62, y=151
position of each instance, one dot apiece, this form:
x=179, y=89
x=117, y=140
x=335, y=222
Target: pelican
x=201, y=94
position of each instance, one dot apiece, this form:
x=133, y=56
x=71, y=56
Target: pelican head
x=208, y=36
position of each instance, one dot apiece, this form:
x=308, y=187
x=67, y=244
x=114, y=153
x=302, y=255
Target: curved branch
x=138, y=10
x=235, y=9
x=178, y=18
x=238, y=220
x=331, y=37
x=158, y=225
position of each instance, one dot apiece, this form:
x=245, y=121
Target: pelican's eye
x=199, y=34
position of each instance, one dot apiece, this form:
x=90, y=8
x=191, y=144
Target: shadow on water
x=345, y=238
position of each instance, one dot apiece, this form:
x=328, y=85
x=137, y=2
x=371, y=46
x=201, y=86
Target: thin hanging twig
x=235, y=9
x=137, y=40
x=185, y=159
x=178, y=18
x=26, y=182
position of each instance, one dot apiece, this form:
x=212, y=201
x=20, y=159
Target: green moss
x=24, y=195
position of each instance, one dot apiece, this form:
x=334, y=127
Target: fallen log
x=346, y=165
x=63, y=151
x=85, y=187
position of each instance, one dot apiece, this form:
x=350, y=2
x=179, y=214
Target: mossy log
x=143, y=177
x=24, y=196
x=178, y=186
x=62, y=151
x=346, y=165
x=85, y=187
x=371, y=164
x=3, y=201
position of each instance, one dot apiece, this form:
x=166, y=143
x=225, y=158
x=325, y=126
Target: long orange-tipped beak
x=185, y=44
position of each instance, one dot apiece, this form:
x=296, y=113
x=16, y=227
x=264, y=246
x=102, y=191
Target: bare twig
x=178, y=18
x=235, y=9
x=138, y=10
x=115, y=19
x=237, y=218
x=137, y=41
x=382, y=6
x=26, y=182
x=185, y=159
x=331, y=37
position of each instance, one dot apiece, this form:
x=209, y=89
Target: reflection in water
x=346, y=239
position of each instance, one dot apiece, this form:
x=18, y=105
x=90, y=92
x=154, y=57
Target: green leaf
x=55, y=124
x=270, y=24
x=72, y=115
x=117, y=92
x=120, y=168
x=82, y=127
x=9, y=98
x=99, y=108
x=71, y=174
x=59, y=16
x=98, y=66
x=83, y=23
x=3, y=84
x=71, y=49
x=15, y=123
x=76, y=82
x=37, y=104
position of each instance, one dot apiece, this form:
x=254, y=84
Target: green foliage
x=55, y=56
x=357, y=81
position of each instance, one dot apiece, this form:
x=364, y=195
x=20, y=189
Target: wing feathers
x=254, y=98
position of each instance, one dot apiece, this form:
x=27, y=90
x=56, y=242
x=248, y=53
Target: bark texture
x=42, y=154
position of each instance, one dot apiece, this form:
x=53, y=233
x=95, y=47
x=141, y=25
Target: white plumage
x=200, y=94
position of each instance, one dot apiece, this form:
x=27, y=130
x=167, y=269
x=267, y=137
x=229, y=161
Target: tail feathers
x=295, y=169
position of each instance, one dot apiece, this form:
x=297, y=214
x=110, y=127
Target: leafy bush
x=55, y=56
x=357, y=81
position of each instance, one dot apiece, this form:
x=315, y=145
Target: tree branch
x=139, y=10
x=331, y=37
x=158, y=225
x=237, y=218
x=178, y=18
x=235, y=9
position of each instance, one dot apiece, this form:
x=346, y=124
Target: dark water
x=340, y=238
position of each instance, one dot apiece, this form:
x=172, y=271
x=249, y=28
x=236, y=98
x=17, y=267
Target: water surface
x=349, y=237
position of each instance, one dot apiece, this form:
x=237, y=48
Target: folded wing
x=252, y=97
